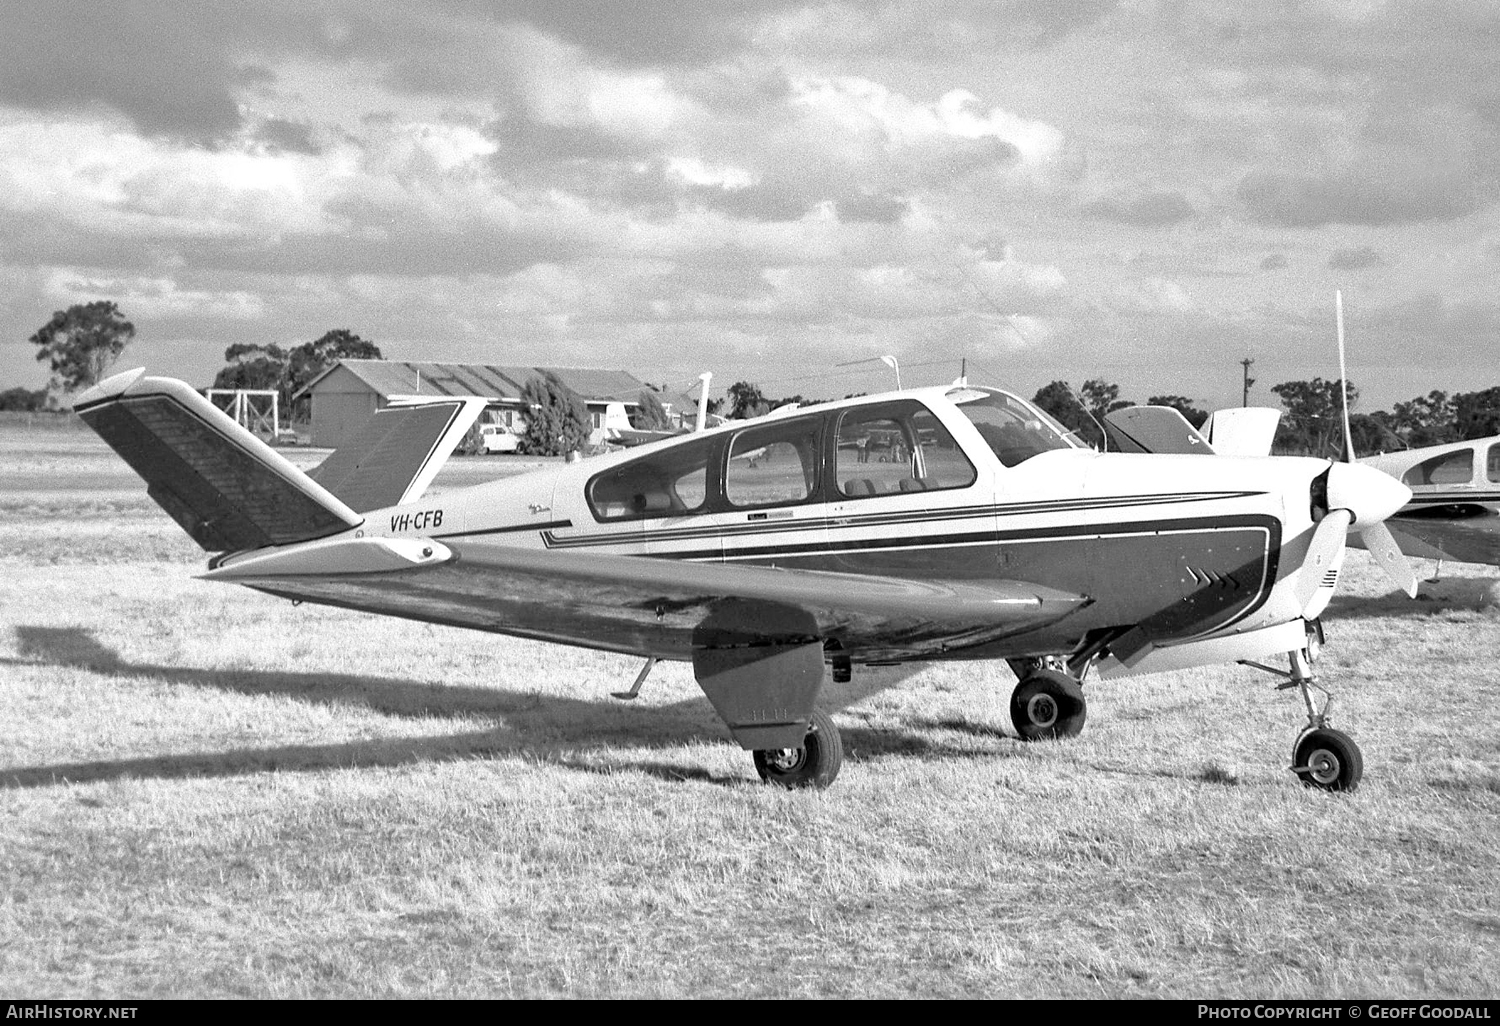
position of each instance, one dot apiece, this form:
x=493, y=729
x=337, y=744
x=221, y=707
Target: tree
x=256, y=366
x=746, y=401
x=1083, y=415
x=310, y=359
x=82, y=342
x=557, y=421
x=1102, y=397
x=649, y=414
x=1182, y=405
x=1477, y=414
x=1314, y=421
x=23, y=399
x=1425, y=420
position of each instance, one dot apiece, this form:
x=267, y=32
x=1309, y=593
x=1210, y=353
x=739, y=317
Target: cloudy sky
x=1146, y=191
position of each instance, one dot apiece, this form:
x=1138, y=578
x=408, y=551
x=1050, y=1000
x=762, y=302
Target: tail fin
x=399, y=451
x=1155, y=429
x=225, y=487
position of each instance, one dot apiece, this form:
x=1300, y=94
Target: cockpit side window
x=1014, y=430
x=896, y=447
x=671, y=482
x=1453, y=468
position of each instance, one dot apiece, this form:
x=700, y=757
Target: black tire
x=1048, y=704
x=1328, y=759
x=815, y=764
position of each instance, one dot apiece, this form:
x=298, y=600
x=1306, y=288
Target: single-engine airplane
x=1454, y=512
x=994, y=534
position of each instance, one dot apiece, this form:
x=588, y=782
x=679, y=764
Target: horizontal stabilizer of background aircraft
x=1242, y=430
x=949, y=523
x=1155, y=429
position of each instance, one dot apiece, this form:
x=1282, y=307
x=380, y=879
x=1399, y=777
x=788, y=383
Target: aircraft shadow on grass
x=553, y=729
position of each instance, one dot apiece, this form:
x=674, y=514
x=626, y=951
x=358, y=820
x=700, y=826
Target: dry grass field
x=208, y=793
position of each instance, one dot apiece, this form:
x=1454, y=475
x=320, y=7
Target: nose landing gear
x=1322, y=757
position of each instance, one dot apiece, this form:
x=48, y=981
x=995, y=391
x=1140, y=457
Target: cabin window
x=774, y=465
x=1013, y=429
x=894, y=448
x=1492, y=465
x=671, y=482
x=1451, y=468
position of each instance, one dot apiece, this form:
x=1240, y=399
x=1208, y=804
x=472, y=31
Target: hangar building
x=347, y=394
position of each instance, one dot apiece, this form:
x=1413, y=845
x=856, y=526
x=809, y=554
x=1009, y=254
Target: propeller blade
x=1338, y=316
x=1383, y=546
x=1325, y=554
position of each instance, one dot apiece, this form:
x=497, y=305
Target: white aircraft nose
x=1368, y=494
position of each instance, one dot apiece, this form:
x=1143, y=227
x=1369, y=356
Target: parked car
x=498, y=438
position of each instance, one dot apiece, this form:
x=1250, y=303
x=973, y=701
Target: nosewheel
x=1048, y=704
x=815, y=764
x=1328, y=759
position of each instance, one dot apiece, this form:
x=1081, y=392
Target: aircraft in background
x=996, y=535
x=629, y=437
x=1454, y=512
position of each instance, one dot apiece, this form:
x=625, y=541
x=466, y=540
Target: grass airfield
x=209, y=792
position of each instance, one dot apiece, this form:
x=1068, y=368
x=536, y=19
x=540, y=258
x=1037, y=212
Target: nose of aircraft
x=1368, y=494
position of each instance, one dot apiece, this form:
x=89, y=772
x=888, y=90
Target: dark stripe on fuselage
x=512, y=529
x=847, y=520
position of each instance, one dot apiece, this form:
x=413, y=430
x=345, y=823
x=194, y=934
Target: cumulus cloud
x=1354, y=259
x=1150, y=210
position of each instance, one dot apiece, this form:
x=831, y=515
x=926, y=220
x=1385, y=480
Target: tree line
x=81, y=343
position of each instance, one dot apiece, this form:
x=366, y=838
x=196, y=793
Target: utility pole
x=1245, y=397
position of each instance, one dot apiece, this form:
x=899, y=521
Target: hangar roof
x=495, y=381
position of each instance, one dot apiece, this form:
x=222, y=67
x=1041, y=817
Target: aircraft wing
x=1472, y=537
x=662, y=607
x=630, y=437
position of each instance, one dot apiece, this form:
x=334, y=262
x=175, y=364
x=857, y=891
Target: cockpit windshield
x=1015, y=429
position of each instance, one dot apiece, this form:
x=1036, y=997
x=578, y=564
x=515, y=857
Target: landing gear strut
x=815, y=764
x=1322, y=757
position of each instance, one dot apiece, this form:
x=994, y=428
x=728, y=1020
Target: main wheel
x=1328, y=759
x=815, y=764
x=1048, y=704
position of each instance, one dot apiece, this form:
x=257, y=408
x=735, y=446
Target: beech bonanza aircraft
x=992, y=533
x=1454, y=512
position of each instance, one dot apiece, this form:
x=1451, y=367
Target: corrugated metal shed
x=348, y=393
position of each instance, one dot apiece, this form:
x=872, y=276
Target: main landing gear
x=1322, y=757
x=1048, y=702
x=815, y=764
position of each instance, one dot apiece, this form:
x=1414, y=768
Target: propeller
x=1367, y=516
